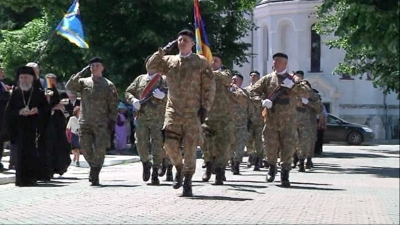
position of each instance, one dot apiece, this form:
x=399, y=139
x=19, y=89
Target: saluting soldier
x=191, y=89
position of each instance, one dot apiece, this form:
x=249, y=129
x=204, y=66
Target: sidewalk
x=110, y=160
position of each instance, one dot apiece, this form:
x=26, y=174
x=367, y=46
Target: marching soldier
x=147, y=95
x=254, y=142
x=307, y=109
x=218, y=127
x=191, y=89
x=281, y=90
x=99, y=101
x=243, y=116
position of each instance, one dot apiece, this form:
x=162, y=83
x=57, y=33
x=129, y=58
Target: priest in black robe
x=27, y=113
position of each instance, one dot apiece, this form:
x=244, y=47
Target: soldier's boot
x=250, y=161
x=301, y=166
x=257, y=164
x=154, y=176
x=91, y=174
x=187, y=186
x=295, y=160
x=146, y=170
x=178, y=177
x=207, y=174
x=219, y=176
x=95, y=176
x=285, y=178
x=236, y=168
x=265, y=163
x=271, y=173
x=309, y=163
x=223, y=173
x=163, y=169
x=232, y=164
x=169, y=176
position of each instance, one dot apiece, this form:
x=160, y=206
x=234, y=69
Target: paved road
x=350, y=185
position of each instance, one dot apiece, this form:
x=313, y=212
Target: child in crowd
x=73, y=134
x=121, y=133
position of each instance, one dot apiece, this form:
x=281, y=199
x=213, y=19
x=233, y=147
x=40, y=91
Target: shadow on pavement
x=247, y=181
x=219, y=198
x=382, y=172
x=50, y=184
x=245, y=190
x=70, y=178
x=391, y=152
x=246, y=186
x=349, y=155
x=312, y=188
x=118, y=185
x=310, y=183
x=159, y=185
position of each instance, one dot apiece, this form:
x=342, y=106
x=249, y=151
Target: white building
x=285, y=26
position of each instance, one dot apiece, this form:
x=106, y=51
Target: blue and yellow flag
x=202, y=45
x=70, y=26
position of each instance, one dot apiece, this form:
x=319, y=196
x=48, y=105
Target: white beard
x=25, y=87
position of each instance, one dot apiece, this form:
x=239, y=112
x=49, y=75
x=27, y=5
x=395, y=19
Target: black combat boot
x=178, y=177
x=146, y=170
x=271, y=173
x=257, y=164
x=223, y=173
x=236, y=168
x=301, y=166
x=295, y=160
x=207, y=174
x=169, y=176
x=163, y=168
x=232, y=164
x=187, y=186
x=309, y=163
x=285, y=178
x=265, y=163
x=219, y=175
x=154, y=176
x=250, y=161
x=95, y=176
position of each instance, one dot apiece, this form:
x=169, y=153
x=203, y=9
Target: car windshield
x=335, y=120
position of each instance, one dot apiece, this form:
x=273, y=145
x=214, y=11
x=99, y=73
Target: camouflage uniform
x=254, y=142
x=99, y=101
x=281, y=121
x=218, y=129
x=149, y=121
x=243, y=115
x=191, y=89
x=307, y=126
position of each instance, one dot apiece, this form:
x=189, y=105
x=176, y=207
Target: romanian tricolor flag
x=202, y=45
x=49, y=84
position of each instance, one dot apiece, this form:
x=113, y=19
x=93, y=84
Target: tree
x=368, y=30
x=125, y=32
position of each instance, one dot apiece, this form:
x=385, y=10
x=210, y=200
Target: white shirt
x=73, y=124
x=282, y=72
x=185, y=56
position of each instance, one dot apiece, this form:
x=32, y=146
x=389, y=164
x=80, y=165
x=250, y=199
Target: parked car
x=342, y=131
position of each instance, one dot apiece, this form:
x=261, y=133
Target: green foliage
x=368, y=30
x=125, y=32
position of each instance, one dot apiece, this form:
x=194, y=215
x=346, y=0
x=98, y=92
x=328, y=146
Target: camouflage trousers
x=218, y=137
x=307, y=137
x=94, y=140
x=255, y=143
x=280, y=137
x=149, y=137
x=187, y=133
x=241, y=135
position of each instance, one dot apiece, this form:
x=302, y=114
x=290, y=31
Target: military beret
x=279, y=54
x=299, y=72
x=187, y=33
x=96, y=60
x=315, y=91
x=26, y=70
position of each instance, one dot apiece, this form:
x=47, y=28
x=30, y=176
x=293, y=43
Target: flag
x=70, y=26
x=49, y=84
x=202, y=44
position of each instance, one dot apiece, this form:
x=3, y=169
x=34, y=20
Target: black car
x=340, y=130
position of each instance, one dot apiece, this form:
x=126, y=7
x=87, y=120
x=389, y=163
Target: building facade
x=286, y=26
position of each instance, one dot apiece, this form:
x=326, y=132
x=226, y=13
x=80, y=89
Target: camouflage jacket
x=257, y=103
x=153, y=109
x=191, y=84
x=220, y=110
x=99, y=98
x=243, y=113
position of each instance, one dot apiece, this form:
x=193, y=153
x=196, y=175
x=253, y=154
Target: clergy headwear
x=25, y=70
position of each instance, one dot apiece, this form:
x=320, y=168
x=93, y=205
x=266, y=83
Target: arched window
x=315, y=51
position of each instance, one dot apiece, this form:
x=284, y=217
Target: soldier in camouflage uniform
x=281, y=121
x=218, y=127
x=243, y=116
x=99, y=101
x=191, y=89
x=254, y=142
x=149, y=121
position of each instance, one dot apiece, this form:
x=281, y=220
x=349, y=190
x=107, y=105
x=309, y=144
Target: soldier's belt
x=281, y=101
x=301, y=109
